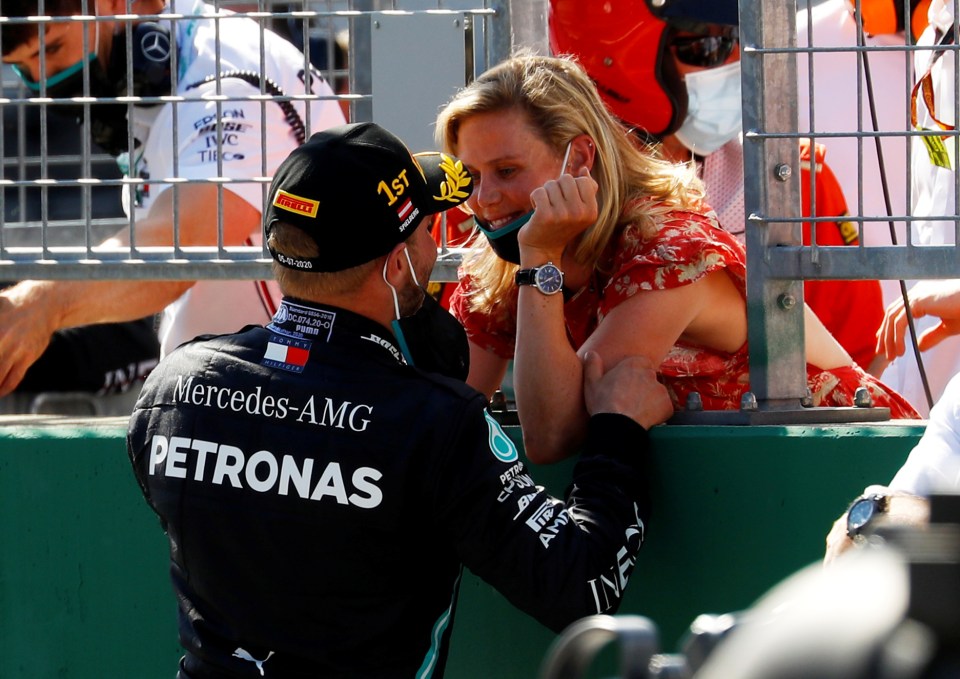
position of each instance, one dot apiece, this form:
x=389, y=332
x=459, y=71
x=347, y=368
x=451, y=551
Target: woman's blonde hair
x=561, y=102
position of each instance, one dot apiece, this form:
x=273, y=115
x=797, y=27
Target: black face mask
x=108, y=122
x=504, y=241
x=150, y=75
x=433, y=340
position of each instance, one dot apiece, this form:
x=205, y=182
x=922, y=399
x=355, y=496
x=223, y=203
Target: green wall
x=83, y=563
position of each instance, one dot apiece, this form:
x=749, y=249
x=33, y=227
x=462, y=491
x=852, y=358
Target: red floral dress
x=688, y=246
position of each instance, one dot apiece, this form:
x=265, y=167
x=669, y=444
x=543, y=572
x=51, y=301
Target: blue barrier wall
x=83, y=563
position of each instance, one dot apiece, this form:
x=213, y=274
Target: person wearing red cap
x=617, y=254
x=673, y=74
x=322, y=494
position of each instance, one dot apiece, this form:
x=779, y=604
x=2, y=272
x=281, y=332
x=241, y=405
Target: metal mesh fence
x=857, y=98
x=62, y=195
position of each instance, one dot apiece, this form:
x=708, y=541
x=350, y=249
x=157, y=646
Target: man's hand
x=903, y=509
x=25, y=331
x=31, y=311
x=927, y=298
x=837, y=540
x=629, y=388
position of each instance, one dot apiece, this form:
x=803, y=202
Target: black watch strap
x=525, y=277
x=548, y=278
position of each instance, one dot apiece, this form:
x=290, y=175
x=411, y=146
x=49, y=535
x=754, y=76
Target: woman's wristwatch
x=548, y=279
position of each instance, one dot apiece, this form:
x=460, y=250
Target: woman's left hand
x=564, y=208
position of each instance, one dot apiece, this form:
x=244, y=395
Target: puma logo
x=244, y=655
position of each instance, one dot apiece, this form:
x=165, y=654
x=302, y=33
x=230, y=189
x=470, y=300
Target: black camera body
x=890, y=610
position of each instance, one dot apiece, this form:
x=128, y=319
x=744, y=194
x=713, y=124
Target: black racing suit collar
x=323, y=323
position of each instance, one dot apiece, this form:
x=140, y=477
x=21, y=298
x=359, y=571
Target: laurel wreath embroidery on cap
x=457, y=179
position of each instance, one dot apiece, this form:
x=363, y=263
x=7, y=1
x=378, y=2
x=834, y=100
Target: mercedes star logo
x=155, y=46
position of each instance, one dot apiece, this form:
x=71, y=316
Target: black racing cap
x=358, y=191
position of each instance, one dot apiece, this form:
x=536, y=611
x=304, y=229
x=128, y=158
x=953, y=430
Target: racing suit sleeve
x=556, y=560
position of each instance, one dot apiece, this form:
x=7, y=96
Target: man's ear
x=396, y=269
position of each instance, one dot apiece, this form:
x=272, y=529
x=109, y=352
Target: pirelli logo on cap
x=298, y=204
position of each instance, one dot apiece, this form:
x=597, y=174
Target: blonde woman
x=617, y=254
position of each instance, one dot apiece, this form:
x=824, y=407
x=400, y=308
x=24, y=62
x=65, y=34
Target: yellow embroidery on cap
x=302, y=206
x=457, y=180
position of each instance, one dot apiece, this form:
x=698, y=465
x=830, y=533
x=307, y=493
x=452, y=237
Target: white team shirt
x=934, y=463
x=219, y=306
x=933, y=194
x=835, y=100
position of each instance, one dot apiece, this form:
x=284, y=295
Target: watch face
x=860, y=514
x=549, y=279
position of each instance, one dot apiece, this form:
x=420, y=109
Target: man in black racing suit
x=321, y=494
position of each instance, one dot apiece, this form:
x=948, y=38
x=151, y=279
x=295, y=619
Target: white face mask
x=713, y=109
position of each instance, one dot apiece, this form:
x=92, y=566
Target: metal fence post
x=771, y=189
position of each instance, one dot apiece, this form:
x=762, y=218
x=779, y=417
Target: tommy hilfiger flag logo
x=286, y=353
x=404, y=209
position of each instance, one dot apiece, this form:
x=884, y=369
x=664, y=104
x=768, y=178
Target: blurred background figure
x=328, y=56
x=673, y=75
x=932, y=107
x=190, y=137
x=828, y=103
x=91, y=369
x=831, y=106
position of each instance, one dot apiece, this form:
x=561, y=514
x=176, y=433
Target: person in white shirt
x=832, y=24
x=195, y=57
x=934, y=463
x=933, y=174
